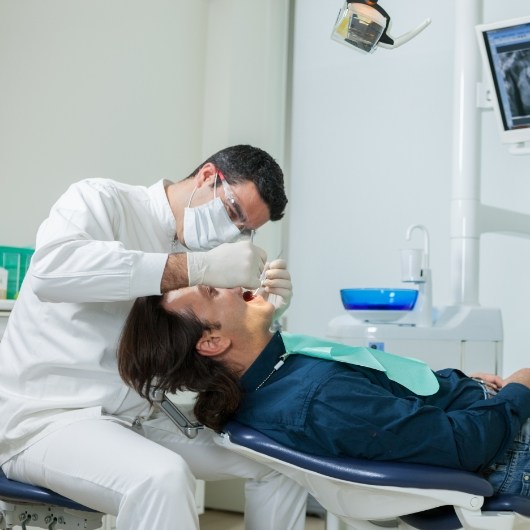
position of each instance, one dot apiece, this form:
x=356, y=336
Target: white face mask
x=208, y=225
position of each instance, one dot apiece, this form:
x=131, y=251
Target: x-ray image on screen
x=515, y=67
x=508, y=53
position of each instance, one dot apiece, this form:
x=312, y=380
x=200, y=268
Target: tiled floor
x=218, y=520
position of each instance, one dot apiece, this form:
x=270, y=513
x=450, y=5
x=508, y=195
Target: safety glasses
x=233, y=208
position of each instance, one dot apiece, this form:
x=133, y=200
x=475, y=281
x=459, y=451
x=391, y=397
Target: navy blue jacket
x=332, y=408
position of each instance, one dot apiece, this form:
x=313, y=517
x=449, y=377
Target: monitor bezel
x=508, y=136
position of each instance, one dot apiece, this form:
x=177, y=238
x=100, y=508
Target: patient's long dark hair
x=157, y=350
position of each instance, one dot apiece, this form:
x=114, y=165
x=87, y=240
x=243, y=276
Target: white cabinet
x=467, y=338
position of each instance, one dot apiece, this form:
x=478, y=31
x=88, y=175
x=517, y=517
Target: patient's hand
x=494, y=381
x=521, y=376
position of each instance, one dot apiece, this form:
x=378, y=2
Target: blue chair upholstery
x=359, y=470
x=15, y=491
x=23, y=504
x=508, y=503
x=445, y=518
x=361, y=492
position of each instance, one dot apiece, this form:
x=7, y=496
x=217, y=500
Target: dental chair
x=368, y=495
x=26, y=506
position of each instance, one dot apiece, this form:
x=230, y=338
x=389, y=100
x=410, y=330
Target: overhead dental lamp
x=364, y=25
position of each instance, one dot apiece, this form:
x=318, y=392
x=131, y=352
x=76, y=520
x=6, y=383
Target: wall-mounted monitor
x=505, y=49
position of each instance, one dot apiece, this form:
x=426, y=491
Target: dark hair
x=245, y=162
x=157, y=350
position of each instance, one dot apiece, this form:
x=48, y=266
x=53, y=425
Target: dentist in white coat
x=69, y=423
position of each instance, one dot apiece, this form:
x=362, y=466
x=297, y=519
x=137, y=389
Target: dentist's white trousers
x=145, y=476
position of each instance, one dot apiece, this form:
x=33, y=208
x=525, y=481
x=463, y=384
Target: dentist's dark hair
x=157, y=350
x=240, y=163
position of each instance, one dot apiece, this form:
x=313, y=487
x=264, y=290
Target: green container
x=16, y=260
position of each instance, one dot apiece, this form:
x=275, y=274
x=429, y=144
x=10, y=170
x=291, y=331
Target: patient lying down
x=218, y=343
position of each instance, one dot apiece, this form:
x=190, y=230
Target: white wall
x=134, y=91
x=245, y=84
x=95, y=89
x=371, y=154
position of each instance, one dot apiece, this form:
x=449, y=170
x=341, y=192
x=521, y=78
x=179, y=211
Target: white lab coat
x=104, y=244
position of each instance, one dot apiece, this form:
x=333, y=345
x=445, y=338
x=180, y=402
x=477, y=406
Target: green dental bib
x=411, y=373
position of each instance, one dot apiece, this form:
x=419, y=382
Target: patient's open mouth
x=248, y=296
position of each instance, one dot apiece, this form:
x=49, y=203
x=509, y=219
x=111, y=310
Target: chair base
x=23, y=505
x=19, y=514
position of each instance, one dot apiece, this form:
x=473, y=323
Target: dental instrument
x=263, y=276
x=249, y=294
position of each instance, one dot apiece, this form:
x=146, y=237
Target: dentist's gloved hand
x=278, y=283
x=228, y=265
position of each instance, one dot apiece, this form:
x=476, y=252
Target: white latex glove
x=278, y=283
x=228, y=265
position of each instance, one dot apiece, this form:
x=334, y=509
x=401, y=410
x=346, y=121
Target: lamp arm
x=398, y=41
